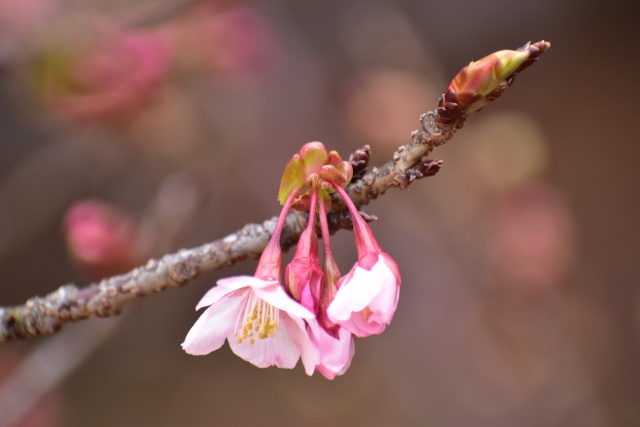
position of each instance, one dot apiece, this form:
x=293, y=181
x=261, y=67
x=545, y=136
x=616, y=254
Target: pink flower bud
x=101, y=239
x=303, y=274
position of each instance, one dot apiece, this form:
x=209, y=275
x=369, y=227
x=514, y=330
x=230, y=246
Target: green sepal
x=314, y=156
x=293, y=178
x=309, y=160
x=313, y=163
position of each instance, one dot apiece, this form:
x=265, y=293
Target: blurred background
x=130, y=131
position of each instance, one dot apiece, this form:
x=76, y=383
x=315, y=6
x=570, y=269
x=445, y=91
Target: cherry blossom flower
x=316, y=315
x=263, y=325
x=309, y=284
x=475, y=84
x=367, y=296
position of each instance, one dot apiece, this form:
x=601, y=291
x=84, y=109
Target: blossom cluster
x=315, y=312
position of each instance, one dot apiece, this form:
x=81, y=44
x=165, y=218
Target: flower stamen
x=258, y=316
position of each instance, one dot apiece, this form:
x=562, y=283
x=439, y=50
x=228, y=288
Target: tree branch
x=46, y=315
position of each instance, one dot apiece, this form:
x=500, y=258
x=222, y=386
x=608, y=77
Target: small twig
x=46, y=315
x=436, y=128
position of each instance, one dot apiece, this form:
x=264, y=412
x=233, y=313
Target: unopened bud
x=483, y=76
x=481, y=81
x=101, y=239
x=360, y=161
x=303, y=274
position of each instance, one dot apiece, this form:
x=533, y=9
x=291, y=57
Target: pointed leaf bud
x=484, y=80
x=483, y=76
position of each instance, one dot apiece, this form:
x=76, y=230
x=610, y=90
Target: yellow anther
x=239, y=340
x=252, y=341
x=366, y=312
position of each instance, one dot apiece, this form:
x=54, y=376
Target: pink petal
x=237, y=282
x=363, y=326
x=384, y=305
x=335, y=354
x=213, y=326
x=277, y=297
x=377, y=288
x=393, y=266
x=308, y=351
x=279, y=350
x=228, y=285
x=355, y=294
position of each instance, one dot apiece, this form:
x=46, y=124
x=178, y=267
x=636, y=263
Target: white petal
x=308, y=350
x=236, y=282
x=278, y=350
x=230, y=284
x=277, y=297
x=384, y=305
x=355, y=294
x=212, y=296
x=213, y=326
